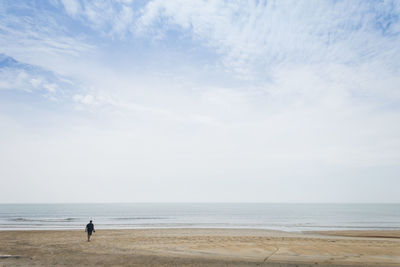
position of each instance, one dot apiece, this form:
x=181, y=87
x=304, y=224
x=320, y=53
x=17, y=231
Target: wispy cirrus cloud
x=249, y=93
x=108, y=17
x=257, y=36
x=18, y=76
x=33, y=33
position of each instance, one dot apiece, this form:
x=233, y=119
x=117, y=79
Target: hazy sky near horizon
x=186, y=101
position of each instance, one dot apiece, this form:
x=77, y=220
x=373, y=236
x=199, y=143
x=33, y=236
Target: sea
x=286, y=217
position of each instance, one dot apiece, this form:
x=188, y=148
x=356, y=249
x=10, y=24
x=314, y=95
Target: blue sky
x=271, y=101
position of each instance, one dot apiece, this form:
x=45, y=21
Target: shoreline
x=359, y=233
x=199, y=247
x=317, y=230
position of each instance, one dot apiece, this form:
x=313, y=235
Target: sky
x=199, y=101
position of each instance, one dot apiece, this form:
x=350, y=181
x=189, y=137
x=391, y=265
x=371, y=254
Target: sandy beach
x=200, y=247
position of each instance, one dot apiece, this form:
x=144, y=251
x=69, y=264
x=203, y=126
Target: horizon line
x=192, y=202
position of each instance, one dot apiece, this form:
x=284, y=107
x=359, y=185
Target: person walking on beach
x=89, y=229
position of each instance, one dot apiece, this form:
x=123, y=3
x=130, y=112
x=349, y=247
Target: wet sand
x=200, y=247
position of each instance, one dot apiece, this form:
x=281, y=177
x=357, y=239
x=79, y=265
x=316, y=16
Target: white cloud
x=36, y=82
x=317, y=99
x=256, y=36
x=108, y=17
x=22, y=80
x=51, y=87
x=15, y=79
x=73, y=7
x=39, y=39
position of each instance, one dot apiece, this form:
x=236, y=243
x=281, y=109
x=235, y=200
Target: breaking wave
x=139, y=218
x=42, y=219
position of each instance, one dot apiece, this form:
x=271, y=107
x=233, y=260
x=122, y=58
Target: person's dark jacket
x=90, y=227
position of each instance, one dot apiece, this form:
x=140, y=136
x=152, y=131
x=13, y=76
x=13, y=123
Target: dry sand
x=200, y=247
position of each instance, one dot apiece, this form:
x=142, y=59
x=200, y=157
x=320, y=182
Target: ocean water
x=287, y=217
